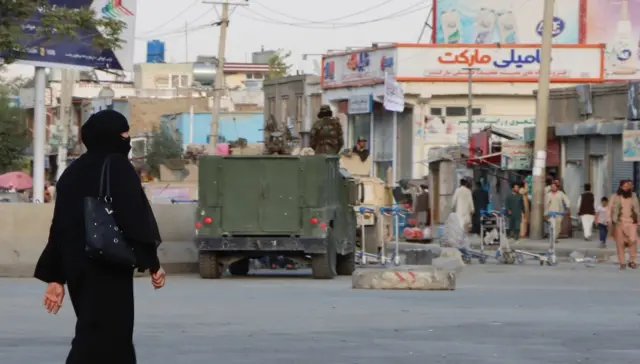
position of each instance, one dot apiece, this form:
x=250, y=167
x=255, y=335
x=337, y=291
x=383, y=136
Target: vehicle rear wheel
x=239, y=268
x=210, y=267
x=346, y=264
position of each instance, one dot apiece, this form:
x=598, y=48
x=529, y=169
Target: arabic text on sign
x=474, y=57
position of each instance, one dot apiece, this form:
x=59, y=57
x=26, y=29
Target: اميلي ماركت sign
x=507, y=63
x=517, y=155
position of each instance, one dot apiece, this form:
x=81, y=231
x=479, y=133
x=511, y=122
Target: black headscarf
x=64, y=256
x=102, y=133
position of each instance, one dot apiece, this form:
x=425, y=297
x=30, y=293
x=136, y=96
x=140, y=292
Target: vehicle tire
x=346, y=264
x=210, y=267
x=239, y=268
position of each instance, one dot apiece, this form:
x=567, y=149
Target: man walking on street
x=624, y=220
x=515, y=207
x=462, y=203
x=587, y=211
x=556, y=201
x=602, y=220
x=480, y=202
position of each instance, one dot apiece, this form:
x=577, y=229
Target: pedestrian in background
x=462, y=203
x=587, y=211
x=515, y=207
x=624, y=221
x=480, y=202
x=602, y=220
x=101, y=290
x=524, y=225
x=556, y=201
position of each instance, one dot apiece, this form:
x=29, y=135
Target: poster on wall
x=616, y=24
x=631, y=145
x=503, y=21
x=517, y=155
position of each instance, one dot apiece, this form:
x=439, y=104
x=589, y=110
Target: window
x=461, y=111
x=300, y=112
x=272, y=106
x=179, y=81
x=436, y=111
x=284, y=109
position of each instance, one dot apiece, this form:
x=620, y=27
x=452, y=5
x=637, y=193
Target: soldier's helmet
x=325, y=111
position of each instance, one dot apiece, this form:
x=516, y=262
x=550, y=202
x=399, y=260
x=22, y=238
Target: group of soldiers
x=326, y=135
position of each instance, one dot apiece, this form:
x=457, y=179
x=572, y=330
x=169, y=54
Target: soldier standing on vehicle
x=326, y=134
x=277, y=138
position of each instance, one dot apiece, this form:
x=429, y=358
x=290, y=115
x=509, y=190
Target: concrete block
x=426, y=278
x=449, y=264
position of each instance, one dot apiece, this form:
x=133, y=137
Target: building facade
x=435, y=80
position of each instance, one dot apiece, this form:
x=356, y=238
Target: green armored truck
x=299, y=207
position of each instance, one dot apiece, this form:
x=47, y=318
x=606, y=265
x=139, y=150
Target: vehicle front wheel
x=239, y=268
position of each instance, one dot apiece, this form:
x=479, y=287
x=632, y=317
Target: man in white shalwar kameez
x=463, y=204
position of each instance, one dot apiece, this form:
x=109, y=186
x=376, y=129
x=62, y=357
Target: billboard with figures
x=79, y=52
x=505, y=21
x=616, y=24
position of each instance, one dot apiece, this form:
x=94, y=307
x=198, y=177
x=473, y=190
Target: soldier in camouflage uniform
x=277, y=138
x=326, y=134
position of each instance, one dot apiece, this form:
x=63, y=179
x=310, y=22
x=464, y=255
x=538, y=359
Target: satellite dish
x=316, y=67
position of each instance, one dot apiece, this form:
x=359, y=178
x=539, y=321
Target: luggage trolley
x=495, y=221
x=396, y=212
x=362, y=255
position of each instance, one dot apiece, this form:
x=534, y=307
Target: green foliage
x=14, y=135
x=278, y=66
x=164, y=147
x=56, y=23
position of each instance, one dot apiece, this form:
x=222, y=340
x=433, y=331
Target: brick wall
x=145, y=113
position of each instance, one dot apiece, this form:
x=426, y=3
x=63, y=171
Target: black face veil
x=102, y=133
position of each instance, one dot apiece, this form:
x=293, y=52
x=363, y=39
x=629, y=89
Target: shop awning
x=502, y=133
x=591, y=127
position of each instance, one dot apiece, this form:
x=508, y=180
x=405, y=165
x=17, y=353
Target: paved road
x=499, y=314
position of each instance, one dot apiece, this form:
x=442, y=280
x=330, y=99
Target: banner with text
x=507, y=63
x=505, y=21
x=517, y=155
x=364, y=67
x=80, y=52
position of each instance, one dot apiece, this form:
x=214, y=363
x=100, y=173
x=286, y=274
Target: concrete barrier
x=426, y=278
x=24, y=229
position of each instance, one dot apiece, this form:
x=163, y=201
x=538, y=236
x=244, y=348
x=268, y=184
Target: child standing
x=602, y=220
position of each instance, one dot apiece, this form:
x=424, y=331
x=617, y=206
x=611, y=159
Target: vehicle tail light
x=198, y=225
x=323, y=225
x=313, y=221
x=207, y=220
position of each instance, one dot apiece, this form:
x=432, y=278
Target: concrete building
x=591, y=122
x=287, y=98
x=434, y=79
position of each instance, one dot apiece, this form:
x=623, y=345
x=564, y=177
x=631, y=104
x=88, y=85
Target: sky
x=298, y=26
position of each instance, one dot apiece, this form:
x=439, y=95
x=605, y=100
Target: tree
x=14, y=135
x=55, y=23
x=165, y=147
x=278, y=66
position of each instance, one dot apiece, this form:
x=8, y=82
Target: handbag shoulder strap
x=105, y=176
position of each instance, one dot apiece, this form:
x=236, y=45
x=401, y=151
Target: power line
x=196, y=2
x=359, y=12
x=407, y=11
x=181, y=30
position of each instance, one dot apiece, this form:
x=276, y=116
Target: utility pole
x=186, y=42
x=542, y=119
x=470, y=105
x=219, y=80
x=64, y=118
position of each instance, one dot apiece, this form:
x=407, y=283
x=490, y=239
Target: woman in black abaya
x=101, y=293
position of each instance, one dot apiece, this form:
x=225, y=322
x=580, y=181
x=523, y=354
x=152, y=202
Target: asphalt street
x=499, y=314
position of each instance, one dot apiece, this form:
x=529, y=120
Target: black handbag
x=104, y=238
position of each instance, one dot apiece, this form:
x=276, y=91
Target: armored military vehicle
x=299, y=207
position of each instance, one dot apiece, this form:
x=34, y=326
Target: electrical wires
x=337, y=25
x=196, y=2
x=181, y=31
x=359, y=12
